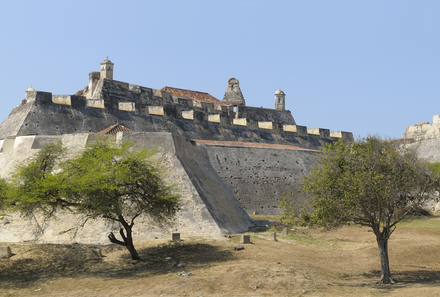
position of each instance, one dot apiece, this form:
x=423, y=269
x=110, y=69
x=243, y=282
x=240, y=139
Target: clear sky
x=368, y=67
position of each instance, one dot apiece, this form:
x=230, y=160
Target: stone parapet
x=135, y=107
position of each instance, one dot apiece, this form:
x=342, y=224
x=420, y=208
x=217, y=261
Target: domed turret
x=280, y=100
x=279, y=92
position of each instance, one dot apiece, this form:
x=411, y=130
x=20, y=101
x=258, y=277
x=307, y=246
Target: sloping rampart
x=208, y=206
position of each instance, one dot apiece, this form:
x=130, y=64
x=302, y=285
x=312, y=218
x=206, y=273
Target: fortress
x=228, y=159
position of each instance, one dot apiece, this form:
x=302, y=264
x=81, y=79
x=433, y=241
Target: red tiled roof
x=252, y=144
x=115, y=129
x=195, y=95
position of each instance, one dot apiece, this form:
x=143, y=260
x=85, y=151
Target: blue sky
x=368, y=67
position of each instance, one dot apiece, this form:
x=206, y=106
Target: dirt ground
x=307, y=262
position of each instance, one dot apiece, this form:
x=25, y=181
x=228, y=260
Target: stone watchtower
x=107, y=69
x=106, y=72
x=233, y=95
x=280, y=100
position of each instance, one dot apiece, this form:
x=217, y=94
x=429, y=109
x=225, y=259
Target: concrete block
x=127, y=106
x=156, y=110
x=96, y=103
x=285, y=231
x=240, y=122
x=314, y=131
x=289, y=128
x=214, y=118
x=265, y=125
x=188, y=114
x=245, y=239
x=61, y=99
x=176, y=237
x=5, y=252
x=273, y=236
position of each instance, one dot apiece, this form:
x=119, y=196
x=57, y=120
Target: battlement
x=126, y=101
x=194, y=115
x=424, y=130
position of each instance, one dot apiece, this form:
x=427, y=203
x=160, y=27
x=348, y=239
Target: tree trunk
x=129, y=244
x=128, y=241
x=384, y=262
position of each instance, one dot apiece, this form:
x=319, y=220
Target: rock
x=5, y=252
x=239, y=248
x=253, y=287
x=285, y=231
x=273, y=236
x=227, y=251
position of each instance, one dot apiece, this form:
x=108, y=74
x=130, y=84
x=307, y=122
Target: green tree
x=112, y=182
x=4, y=201
x=364, y=183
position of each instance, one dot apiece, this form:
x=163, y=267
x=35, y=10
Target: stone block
x=285, y=231
x=5, y=252
x=289, y=128
x=176, y=237
x=96, y=103
x=188, y=114
x=214, y=118
x=245, y=239
x=241, y=122
x=156, y=110
x=265, y=125
x=273, y=236
x=337, y=134
x=127, y=106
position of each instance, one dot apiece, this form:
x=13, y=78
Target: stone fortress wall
x=230, y=159
x=208, y=206
x=423, y=130
x=107, y=102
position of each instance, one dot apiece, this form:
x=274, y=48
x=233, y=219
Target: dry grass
x=305, y=263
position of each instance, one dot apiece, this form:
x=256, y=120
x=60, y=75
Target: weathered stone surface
x=259, y=177
x=265, y=114
x=273, y=236
x=209, y=207
x=285, y=231
x=233, y=93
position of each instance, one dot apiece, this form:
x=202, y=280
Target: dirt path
x=304, y=263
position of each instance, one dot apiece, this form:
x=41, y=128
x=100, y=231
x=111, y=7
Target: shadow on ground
x=428, y=278
x=47, y=261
